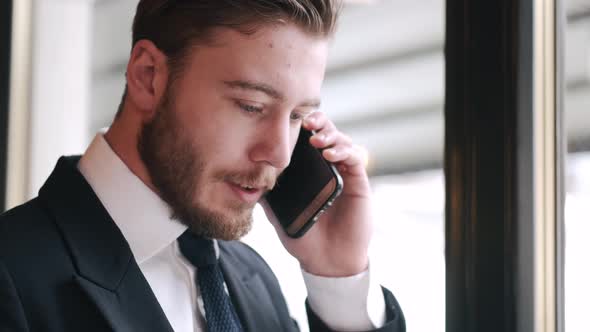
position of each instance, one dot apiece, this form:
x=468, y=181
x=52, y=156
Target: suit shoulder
x=20, y=225
x=24, y=213
x=242, y=252
x=245, y=257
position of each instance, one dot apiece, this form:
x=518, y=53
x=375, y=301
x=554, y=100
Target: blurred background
x=384, y=87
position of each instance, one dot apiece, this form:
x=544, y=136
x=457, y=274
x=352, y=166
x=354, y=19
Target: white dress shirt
x=352, y=303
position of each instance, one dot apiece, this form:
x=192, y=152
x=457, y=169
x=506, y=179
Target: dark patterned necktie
x=219, y=311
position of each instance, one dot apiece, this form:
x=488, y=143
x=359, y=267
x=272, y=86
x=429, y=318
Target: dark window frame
x=5, y=49
x=491, y=215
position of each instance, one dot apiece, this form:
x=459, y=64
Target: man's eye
x=249, y=108
x=296, y=116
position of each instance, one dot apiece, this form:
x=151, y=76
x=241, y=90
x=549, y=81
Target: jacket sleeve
x=395, y=317
x=12, y=316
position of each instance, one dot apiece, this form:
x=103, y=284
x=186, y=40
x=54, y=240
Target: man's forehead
x=280, y=69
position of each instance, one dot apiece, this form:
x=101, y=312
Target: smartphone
x=305, y=189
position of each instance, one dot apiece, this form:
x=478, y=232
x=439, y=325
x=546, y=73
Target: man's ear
x=147, y=76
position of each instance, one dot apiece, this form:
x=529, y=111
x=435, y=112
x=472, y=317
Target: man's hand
x=337, y=245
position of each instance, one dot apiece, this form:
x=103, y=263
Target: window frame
x=504, y=154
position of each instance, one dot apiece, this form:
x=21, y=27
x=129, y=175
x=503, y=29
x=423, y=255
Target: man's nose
x=273, y=145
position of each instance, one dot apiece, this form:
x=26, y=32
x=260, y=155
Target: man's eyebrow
x=268, y=90
x=314, y=103
x=249, y=85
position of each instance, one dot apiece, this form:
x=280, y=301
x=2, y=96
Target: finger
x=317, y=121
x=349, y=156
x=330, y=138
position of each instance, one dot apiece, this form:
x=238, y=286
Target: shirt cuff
x=354, y=303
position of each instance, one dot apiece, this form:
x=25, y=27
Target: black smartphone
x=305, y=189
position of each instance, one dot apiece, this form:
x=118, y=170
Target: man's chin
x=222, y=225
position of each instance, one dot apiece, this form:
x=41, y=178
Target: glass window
x=577, y=180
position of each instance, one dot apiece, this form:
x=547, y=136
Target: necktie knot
x=198, y=250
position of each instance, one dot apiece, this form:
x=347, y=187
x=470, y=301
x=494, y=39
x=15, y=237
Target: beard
x=176, y=167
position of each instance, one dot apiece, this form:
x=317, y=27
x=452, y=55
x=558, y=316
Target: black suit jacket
x=65, y=266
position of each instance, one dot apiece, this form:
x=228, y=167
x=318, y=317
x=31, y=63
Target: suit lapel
x=249, y=295
x=130, y=307
x=108, y=273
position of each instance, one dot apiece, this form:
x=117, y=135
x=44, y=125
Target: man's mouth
x=249, y=193
x=250, y=188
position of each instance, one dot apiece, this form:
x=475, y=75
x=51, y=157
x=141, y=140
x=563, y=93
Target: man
x=217, y=91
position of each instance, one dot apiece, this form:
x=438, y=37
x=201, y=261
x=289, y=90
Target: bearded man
x=140, y=233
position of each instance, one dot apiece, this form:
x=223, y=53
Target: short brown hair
x=175, y=26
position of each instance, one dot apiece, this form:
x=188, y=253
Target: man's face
x=226, y=128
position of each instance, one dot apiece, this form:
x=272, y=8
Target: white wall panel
x=402, y=143
x=111, y=39
x=60, y=84
x=386, y=87
x=386, y=28
x=577, y=54
x=577, y=114
x=107, y=91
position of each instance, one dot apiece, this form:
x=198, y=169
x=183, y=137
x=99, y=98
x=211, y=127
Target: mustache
x=264, y=178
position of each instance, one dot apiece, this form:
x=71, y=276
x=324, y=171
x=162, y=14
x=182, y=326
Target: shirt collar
x=143, y=218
